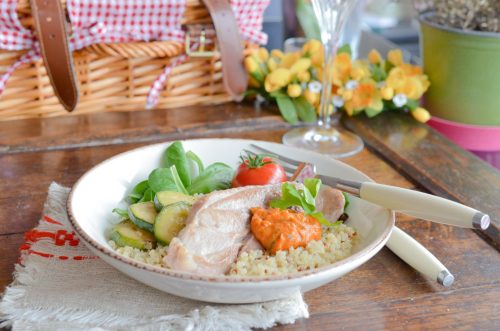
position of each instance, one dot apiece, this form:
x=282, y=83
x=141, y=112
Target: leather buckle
x=202, y=40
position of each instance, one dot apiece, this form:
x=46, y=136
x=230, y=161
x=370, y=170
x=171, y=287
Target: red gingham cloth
x=112, y=21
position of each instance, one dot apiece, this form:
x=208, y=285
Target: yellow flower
x=251, y=64
x=312, y=97
x=277, y=79
x=277, y=53
x=318, y=59
x=304, y=76
x=341, y=68
x=408, y=80
x=366, y=95
x=387, y=92
x=360, y=70
x=312, y=46
x=302, y=64
x=345, y=93
x=294, y=90
x=272, y=64
x=374, y=57
x=263, y=54
x=396, y=78
x=421, y=115
x=289, y=59
x=395, y=56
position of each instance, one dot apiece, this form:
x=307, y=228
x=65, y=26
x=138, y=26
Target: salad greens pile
x=304, y=198
x=182, y=172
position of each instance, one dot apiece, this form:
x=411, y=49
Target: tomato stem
x=255, y=161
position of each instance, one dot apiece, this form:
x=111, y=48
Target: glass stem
x=325, y=120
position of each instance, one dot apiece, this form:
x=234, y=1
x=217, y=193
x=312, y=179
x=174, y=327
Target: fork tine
x=278, y=156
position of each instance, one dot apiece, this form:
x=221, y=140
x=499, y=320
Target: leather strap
x=230, y=47
x=50, y=25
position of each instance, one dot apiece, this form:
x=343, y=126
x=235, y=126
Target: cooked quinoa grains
x=336, y=243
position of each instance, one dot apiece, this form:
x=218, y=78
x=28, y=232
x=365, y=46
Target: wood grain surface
x=383, y=294
x=434, y=162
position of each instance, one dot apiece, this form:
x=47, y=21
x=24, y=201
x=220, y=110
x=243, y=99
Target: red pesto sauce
x=279, y=230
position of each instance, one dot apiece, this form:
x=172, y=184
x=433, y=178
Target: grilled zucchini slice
x=143, y=215
x=127, y=233
x=165, y=198
x=170, y=221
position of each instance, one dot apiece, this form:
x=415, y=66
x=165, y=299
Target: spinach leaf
x=217, y=176
x=123, y=213
x=138, y=191
x=195, y=164
x=149, y=195
x=175, y=156
x=347, y=200
x=166, y=179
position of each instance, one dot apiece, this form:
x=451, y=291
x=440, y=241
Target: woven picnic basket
x=115, y=77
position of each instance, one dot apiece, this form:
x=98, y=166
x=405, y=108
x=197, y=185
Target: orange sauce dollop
x=277, y=229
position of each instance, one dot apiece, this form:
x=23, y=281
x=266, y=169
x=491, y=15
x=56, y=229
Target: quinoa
x=336, y=244
x=153, y=256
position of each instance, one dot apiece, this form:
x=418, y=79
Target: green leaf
x=166, y=179
x=281, y=204
x=138, y=191
x=313, y=185
x=177, y=180
x=378, y=74
x=412, y=104
x=123, y=213
x=161, y=179
x=346, y=48
x=290, y=193
x=321, y=218
x=149, y=195
x=347, y=200
x=194, y=162
x=287, y=109
x=175, y=155
x=370, y=112
x=277, y=94
x=305, y=110
x=307, y=19
x=217, y=176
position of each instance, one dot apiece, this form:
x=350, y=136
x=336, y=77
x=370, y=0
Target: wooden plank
x=128, y=127
x=434, y=162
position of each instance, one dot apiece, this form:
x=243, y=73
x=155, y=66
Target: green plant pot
x=464, y=71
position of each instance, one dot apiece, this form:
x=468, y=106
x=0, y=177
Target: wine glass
x=327, y=137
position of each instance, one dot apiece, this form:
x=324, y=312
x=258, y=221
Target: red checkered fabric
x=112, y=21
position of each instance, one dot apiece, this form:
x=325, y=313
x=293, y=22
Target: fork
x=400, y=243
x=410, y=202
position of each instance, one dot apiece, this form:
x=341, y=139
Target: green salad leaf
x=176, y=156
x=123, y=213
x=166, y=179
x=304, y=198
x=217, y=176
x=138, y=191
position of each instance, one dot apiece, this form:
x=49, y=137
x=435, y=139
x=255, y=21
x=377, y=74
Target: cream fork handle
x=417, y=256
x=423, y=205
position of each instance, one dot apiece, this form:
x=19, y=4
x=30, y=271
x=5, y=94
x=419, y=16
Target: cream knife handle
x=423, y=205
x=417, y=256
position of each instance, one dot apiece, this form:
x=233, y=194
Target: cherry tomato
x=258, y=170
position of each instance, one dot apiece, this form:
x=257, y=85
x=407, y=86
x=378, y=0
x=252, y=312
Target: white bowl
x=105, y=186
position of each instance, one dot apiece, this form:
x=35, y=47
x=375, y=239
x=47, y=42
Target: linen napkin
x=60, y=285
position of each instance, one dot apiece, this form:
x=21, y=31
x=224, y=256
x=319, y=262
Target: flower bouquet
x=369, y=86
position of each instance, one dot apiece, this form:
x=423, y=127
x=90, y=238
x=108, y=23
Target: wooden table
x=384, y=293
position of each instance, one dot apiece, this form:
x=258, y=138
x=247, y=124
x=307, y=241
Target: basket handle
x=50, y=25
x=230, y=47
